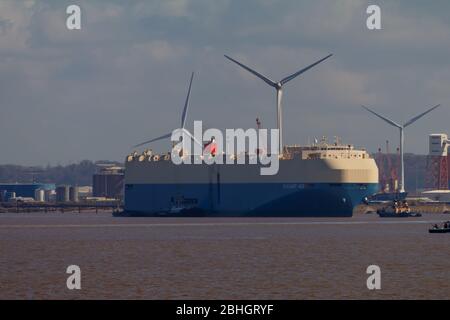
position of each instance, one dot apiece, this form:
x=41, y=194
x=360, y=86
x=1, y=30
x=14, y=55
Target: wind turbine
x=183, y=121
x=279, y=88
x=401, y=128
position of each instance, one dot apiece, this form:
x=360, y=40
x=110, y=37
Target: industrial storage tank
x=39, y=195
x=50, y=195
x=9, y=195
x=73, y=194
x=3, y=195
x=62, y=193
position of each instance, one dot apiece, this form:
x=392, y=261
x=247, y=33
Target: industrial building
x=437, y=168
x=437, y=162
x=108, y=182
x=26, y=190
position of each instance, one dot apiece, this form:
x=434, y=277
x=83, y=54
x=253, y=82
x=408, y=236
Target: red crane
x=392, y=170
x=381, y=162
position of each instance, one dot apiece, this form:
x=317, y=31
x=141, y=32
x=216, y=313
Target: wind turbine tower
x=279, y=88
x=401, y=128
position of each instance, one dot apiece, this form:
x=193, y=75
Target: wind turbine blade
x=419, y=116
x=383, y=118
x=153, y=140
x=192, y=137
x=294, y=75
x=186, y=103
x=259, y=75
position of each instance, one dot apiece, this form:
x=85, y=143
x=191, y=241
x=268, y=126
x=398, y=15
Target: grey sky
x=91, y=94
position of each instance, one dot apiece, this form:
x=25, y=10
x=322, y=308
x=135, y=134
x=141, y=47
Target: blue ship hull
x=247, y=199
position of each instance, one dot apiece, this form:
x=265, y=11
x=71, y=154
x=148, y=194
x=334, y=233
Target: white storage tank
x=62, y=193
x=10, y=195
x=48, y=195
x=39, y=195
x=73, y=194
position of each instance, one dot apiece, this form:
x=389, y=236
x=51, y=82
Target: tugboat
x=437, y=229
x=398, y=209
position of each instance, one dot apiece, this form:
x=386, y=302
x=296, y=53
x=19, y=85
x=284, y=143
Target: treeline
x=81, y=173
x=73, y=174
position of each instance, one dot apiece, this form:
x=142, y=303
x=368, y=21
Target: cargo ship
x=318, y=180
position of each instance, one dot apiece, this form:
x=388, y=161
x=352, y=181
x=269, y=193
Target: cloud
x=158, y=50
x=69, y=95
x=171, y=8
x=14, y=21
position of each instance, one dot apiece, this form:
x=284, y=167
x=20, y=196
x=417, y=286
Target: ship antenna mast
x=258, y=124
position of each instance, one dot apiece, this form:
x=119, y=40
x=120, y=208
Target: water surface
x=221, y=258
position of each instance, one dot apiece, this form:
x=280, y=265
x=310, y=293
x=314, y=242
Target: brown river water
x=221, y=258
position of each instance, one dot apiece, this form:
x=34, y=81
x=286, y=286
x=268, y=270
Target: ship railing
x=226, y=158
